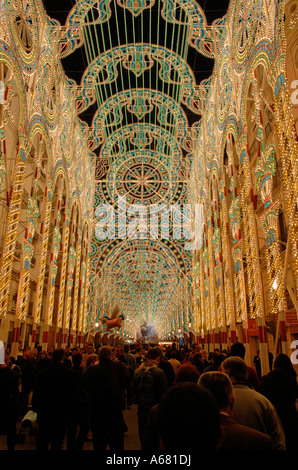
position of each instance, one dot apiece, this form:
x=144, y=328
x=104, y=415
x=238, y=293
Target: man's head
x=91, y=359
x=7, y=357
x=205, y=354
x=28, y=354
x=173, y=355
x=154, y=355
x=238, y=349
x=104, y=353
x=187, y=373
x=35, y=352
x=77, y=360
x=221, y=387
x=236, y=369
x=119, y=350
x=58, y=355
x=43, y=354
x=188, y=419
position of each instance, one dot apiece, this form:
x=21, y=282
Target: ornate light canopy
x=145, y=99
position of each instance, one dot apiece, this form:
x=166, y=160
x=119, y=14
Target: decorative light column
x=227, y=262
x=32, y=215
x=64, y=265
x=44, y=232
x=53, y=269
x=78, y=249
x=13, y=218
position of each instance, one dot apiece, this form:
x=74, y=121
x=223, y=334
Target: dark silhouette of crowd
x=186, y=398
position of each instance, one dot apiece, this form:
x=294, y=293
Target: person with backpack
x=150, y=383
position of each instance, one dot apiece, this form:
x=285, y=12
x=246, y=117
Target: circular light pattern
x=142, y=181
x=143, y=178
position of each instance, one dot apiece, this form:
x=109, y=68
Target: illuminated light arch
x=138, y=58
x=200, y=35
x=36, y=125
x=112, y=248
x=24, y=27
x=60, y=171
x=8, y=58
x=139, y=261
x=140, y=102
x=71, y=34
x=140, y=135
x=262, y=55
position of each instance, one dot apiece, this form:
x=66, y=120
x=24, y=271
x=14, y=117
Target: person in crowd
x=68, y=358
x=79, y=425
x=167, y=367
x=131, y=362
x=10, y=362
x=17, y=370
x=150, y=382
x=27, y=365
x=105, y=386
x=8, y=350
x=19, y=357
x=91, y=360
x=195, y=348
x=38, y=347
x=50, y=351
x=257, y=364
x=280, y=387
x=174, y=361
x=139, y=356
x=271, y=359
x=119, y=356
x=54, y=400
x=75, y=350
x=9, y=395
x=183, y=355
x=251, y=408
x=88, y=349
x=238, y=349
x=198, y=361
x=170, y=350
x=43, y=361
x=217, y=359
x=68, y=352
x=188, y=419
x=187, y=373
x=205, y=358
x=35, y=353
x=235, y=435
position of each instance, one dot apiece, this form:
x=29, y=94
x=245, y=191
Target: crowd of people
x=187, y=399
